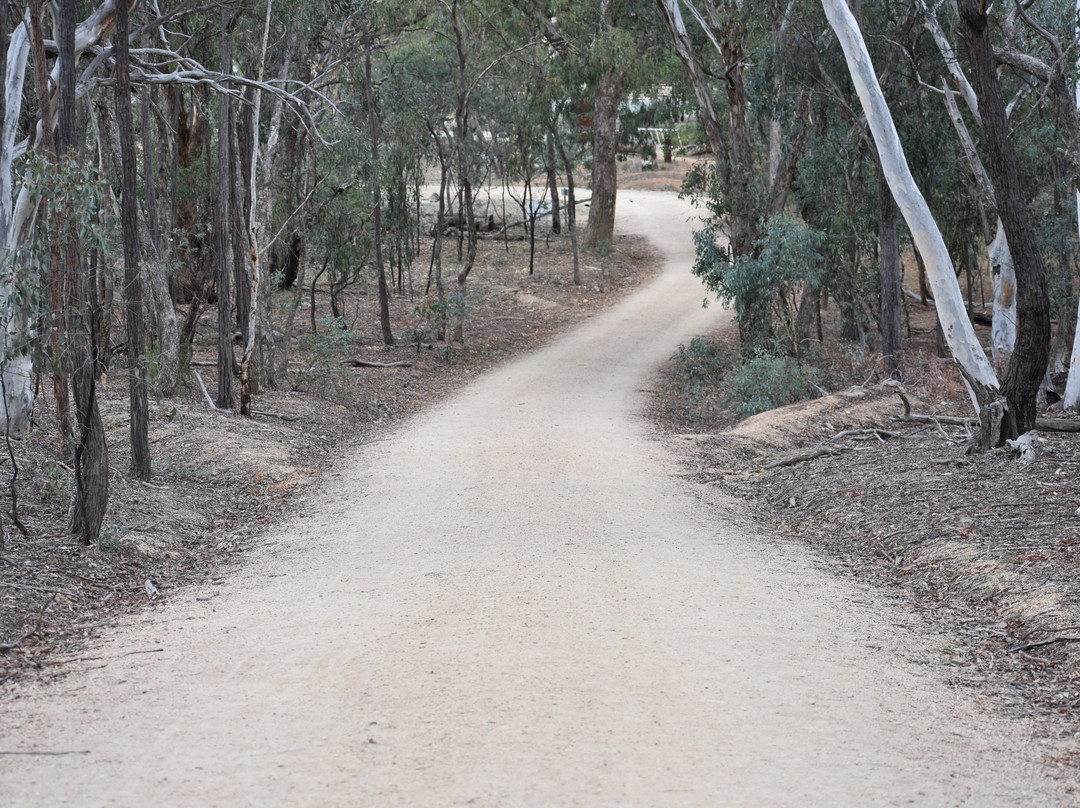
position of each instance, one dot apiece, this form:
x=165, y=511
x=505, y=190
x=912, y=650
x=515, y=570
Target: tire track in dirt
x=514, y=601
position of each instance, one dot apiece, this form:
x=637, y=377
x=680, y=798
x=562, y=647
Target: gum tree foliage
x=764, y=287
x=789, y=49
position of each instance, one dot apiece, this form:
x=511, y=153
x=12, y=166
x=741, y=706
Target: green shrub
x=700, y=364
x=767, y=382
x=764, y=288
x=324, y=351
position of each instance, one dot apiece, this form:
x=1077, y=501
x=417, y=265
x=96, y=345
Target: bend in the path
x=513, y=602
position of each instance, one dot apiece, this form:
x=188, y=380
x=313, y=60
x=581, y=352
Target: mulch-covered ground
x=985, y=548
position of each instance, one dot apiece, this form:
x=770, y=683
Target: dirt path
x=514, y=602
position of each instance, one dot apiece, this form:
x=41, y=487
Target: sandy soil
x=513, y=600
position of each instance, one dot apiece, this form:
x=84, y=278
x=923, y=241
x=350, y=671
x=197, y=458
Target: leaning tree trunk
x=1027, y=365
x=948, y=299
x=714, y=134
x=601, y=226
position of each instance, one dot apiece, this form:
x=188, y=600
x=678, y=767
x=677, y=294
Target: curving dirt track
x=513, y=601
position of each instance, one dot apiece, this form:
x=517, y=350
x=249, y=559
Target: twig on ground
x=11, y=646
x=880, y=434
x=209, y=401
x=1029, y=646
x=44, y=754
x=46, y=590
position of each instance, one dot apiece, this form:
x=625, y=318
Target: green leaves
x=763, y=287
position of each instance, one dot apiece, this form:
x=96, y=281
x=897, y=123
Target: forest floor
x=984, y=549
x=220, y=479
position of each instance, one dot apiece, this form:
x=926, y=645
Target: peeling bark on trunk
x=952, y=313
x=714, y=134
x=1003, y=277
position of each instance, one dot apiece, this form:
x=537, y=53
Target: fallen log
x=804, y=455
x=364, y=363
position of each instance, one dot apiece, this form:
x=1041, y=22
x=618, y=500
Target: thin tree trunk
x=294, y=305
x=222, y=248
x=90, y=455
x=149, y=169
x=242, y=291
x=462, y=136
x=889, y=255
x=133, y=296
x=373, y=131
x=571, y=208
x=56, y=265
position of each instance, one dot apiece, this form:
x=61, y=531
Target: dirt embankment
x=984, y=548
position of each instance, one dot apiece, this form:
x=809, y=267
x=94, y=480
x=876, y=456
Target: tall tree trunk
x=242, y=291
x=376, y=189
x=133, y=296
x=889, y=256
x=743, y=236
x=601, y=226
x=222, y=246
x=571, y=207
x=462, y=136
x=17, y=372
x=90, y=455
x=1027, y=365
x=168, y=331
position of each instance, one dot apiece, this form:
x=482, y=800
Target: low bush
x=767, y=382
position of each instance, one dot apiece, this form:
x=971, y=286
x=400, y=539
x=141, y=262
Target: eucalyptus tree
x=419, y=90
x=519, y=121
x=738, y=196
x=956, y=325
x=612, y=47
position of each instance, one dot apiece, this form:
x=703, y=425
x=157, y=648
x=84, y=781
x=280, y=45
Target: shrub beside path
x=515, y=601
